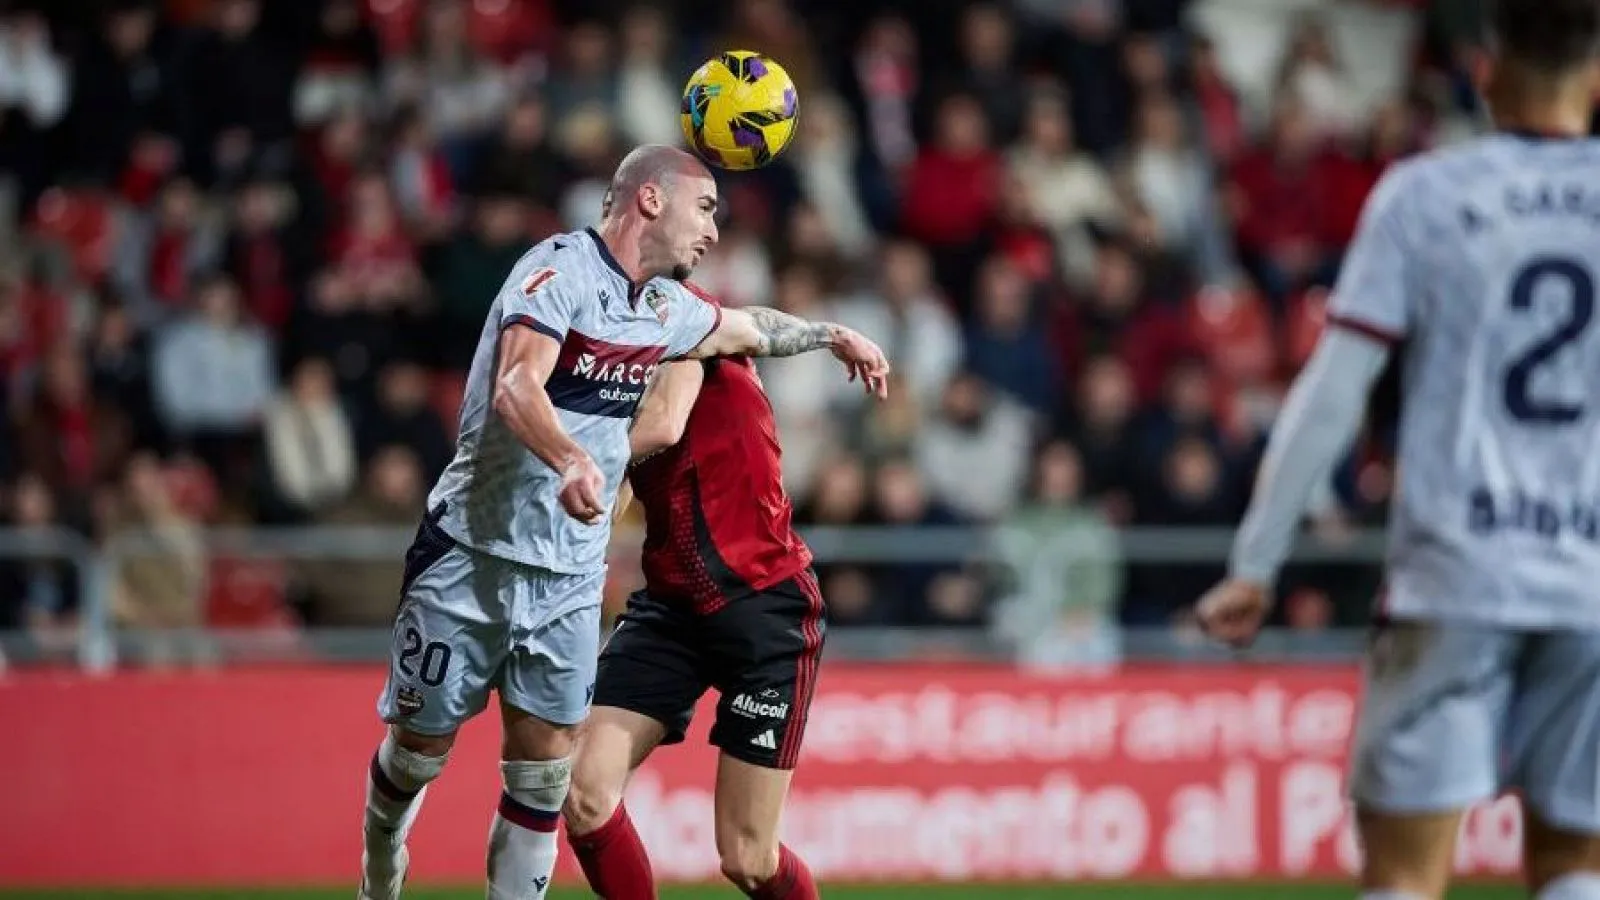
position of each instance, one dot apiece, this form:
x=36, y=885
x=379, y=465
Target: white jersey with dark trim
x=498, y=497
x=1482, y=262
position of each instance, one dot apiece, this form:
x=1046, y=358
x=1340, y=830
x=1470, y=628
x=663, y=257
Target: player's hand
x=582, y=486
x=1232, y=612
x=864, y=360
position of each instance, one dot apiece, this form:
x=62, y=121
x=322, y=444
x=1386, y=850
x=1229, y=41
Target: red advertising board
x=909, y=773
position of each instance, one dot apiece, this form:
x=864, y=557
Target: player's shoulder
x=552, y=264
x=680, y=292
x=559, y=251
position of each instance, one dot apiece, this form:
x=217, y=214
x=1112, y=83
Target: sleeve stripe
x=531, y=322
x=1366, y=329
x=716, y=322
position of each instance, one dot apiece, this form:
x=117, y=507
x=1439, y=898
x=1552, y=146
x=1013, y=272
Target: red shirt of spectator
x=953, y=187
x=1234, y=331
x=373, y=246
x=1117, y=318
x=1281, y=193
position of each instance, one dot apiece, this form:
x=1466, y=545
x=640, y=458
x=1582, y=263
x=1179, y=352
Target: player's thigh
x=654, y=665
x=767, y=649
x=611, y=744
x=548, y=679
x=749, y=806
x=449, y=638
x=1427, y=744
x=1553, y=751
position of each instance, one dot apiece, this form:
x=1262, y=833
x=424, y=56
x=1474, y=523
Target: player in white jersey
x=1484, y=672
x=502, y=585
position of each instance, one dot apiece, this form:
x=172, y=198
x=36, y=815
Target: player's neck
x=1548, y=106
x=622, y=241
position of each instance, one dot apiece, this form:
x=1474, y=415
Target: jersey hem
x=529, y=560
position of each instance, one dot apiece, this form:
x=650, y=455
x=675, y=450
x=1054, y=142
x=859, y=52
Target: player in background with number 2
x=502, y=585
x=1484, y=671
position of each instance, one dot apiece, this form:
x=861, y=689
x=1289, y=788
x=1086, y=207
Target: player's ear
x=652, y=200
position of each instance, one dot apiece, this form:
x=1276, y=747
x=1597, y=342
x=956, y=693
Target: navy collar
x=611, y=261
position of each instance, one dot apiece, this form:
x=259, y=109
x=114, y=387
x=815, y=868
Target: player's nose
x=711, y=232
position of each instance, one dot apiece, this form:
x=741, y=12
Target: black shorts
x=760, y=651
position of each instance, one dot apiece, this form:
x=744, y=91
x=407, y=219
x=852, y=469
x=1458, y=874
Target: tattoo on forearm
x=786, y=335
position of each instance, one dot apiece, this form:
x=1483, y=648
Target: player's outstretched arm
x=760, y=331
x=527, y=357
x=1319, y=421
x=664, y=411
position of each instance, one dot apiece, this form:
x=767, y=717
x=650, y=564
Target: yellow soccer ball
x=739, y=110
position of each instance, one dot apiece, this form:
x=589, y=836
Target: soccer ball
x=739, y=110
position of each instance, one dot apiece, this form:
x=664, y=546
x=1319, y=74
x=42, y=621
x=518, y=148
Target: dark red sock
x=614, y=861
x=792, y=881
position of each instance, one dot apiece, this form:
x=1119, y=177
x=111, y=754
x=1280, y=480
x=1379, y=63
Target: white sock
x=522, y=840
x=1573, y=886
x=397, y=780
x=1389, y=895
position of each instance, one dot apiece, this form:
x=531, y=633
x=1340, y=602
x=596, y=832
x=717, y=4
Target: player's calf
x=397, y=778
x=1407, y=857
x=1560, y=864
x=749, y=805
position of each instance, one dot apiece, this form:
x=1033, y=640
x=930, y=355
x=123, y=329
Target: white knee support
x=408, y=769
x=1573, y=886
x=541, y=784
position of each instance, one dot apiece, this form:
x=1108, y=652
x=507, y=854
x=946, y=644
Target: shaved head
x=656, y=164
x=660, y=211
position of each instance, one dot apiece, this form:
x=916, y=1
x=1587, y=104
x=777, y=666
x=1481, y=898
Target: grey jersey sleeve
x=691, y=318
x=1377, y=291
x=535, y=294
x=1319, y=421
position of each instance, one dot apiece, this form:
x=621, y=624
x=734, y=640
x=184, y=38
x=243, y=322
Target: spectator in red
x=1216, y=103
x=423, y=186
x=1391, y=136
x=1117, y=316
x=372, y=249
x=1280, y=198
x=263, y=254
x=952, y=191
x=161, y=253
x=71, y=441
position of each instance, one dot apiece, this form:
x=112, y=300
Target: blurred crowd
x=246, y=248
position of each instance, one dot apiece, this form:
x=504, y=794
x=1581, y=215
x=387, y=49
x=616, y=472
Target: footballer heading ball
x=739, y=110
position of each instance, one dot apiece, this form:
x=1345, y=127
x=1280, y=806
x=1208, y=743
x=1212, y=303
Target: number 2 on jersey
x=1517, y=392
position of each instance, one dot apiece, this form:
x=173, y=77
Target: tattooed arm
x=760, y=331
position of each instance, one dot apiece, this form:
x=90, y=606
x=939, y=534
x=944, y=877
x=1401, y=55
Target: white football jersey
x=1482, y=262
x=496, y=496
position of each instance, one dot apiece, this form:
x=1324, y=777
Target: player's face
x=689, y=223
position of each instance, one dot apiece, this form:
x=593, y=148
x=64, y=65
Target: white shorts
x=469, y=622
x=1456, y=713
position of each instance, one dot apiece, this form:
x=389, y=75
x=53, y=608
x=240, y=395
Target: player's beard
x=682, y=271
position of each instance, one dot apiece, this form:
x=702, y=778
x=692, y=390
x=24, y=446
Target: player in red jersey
x=730, y=602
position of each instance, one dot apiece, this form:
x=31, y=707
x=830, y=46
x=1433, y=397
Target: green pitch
x=918, y=892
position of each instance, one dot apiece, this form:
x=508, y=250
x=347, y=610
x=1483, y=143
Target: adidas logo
x=540, y=883
x=765, y=741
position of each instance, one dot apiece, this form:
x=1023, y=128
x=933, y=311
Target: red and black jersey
x=717, y=520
